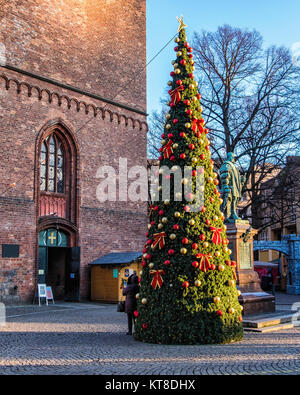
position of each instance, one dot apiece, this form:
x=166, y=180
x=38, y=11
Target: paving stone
x=90, y=339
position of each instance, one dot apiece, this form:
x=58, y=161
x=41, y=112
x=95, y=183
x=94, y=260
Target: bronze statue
x=231, y=188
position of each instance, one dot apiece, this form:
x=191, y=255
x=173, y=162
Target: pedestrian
x=130, y=303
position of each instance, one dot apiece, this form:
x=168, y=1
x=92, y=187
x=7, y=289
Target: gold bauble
x=217, y=254
x=168, y=116
x=187, y=125
x=192, y=86
x=183, y=251
x=239, y=293
x=194, y=160
x=172, y=236
x=192, y=222
x=175, y=146
x=194, y=99
x=145, y=255
x=166, y=202
x=177, y=71
x=144, y=301
x=231, y=310
x=231, y=283
x=229, y=251
x=178, y=195
x=164, y=220
x=217, y=299
x=185, y=181
x=173, y=62
x=159, y=188
x=168, y=126
x=177, y=40
x=242, y=308
x=177, y=214
x=197, y=283
x=225, y=249
x=210, y=180
x=221, y=268
x=179, y=53
x=160, y=226
x=216, y=218
x=175, y=65
x=149, y=227
x=151, y=265
x=137, y=296
x=205, y=245
x=201, y=142
x=170, y=83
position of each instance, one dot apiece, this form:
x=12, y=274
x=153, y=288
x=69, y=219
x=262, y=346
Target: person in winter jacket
x=130, y=303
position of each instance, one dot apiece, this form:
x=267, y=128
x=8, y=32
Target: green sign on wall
x=53, y=238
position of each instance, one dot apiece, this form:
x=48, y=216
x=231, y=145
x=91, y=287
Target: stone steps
x=270, y=322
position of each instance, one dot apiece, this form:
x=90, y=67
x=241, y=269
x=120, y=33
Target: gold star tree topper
x=181, y=23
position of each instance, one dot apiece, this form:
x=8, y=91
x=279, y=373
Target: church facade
x=72, y=100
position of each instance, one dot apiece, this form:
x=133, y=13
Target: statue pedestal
x=253, y=298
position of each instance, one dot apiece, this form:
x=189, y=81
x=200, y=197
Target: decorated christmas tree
x=188, y=291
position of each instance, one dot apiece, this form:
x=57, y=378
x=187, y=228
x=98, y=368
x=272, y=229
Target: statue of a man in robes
x=231, y=188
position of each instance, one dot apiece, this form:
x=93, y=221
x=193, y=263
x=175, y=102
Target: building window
x=52, y=165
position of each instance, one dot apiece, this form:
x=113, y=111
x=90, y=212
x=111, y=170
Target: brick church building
x=72, y=99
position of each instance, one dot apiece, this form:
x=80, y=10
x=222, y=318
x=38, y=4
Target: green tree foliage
x=188, y=291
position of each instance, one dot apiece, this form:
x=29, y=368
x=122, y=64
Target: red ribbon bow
x=217, y=235
x=197, y=125
x=175, y=95
x=204, y=262
x=157, y=280
x=159, y=239
x=168, y=150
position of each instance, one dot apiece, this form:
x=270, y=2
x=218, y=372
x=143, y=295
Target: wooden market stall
x=109, y=275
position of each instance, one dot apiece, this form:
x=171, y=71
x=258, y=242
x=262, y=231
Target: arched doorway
x=59, y=264
x=57, y=210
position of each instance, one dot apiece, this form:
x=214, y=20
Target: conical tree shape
x=188, y=291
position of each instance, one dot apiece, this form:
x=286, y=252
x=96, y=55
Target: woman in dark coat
x=130, y=303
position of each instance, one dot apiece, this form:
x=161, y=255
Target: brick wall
x=60, y=39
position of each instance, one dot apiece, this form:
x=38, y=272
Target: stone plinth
x=254, y=300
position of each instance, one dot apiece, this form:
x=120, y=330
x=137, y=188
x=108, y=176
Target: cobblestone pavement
x=90, y=339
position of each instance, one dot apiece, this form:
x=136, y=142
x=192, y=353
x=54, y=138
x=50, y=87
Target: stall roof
x=117, y=258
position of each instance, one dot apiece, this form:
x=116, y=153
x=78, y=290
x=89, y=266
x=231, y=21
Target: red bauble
x=182, y=134
x=213, y=266
x=190, y=56
x=183, y=62
x=211, y=199
x=170, y=135
x=155, y=208
x=175, y=121
x=203, y=209
x=194, y=173
x=136, y=313
x=195, y=246
x=202, y=237
x=172, y=74
x=152, y=223
x=145, y=326
x=240, y=318
x=160, y=158
x=144, y=263
x=147, y=234
x=216, y=182
x=144, y=250
x=148, y=257
x=202, y=156
x=195, y=264
x=191, y=75
x=219, y=313
x=176, y=227
x=206, y=131
x=187, y=102
x=182, y=156
x=172, y=158
x=187, y=209
x=171, y=252
x=185, y=241
x=163, y=136
x=191, y=147
x=176, y=49
x=186, y=44
x=228, y=263
x=189, y=112
x=179, y=82
x=233, y=264
x=198, y=96
x=207, y=221
x=149, y=242
x=167, y=263
x=186, y=284
x=161, y=212
x=190, y=49
x=172, y=105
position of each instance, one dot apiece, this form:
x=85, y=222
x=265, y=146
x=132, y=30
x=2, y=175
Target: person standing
x=130, y=303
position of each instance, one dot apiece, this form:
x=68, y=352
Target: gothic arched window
x=52, y=165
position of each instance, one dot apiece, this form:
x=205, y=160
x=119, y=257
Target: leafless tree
x=250, y=100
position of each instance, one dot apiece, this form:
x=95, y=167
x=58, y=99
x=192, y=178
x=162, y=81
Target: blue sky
x=277, y=21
